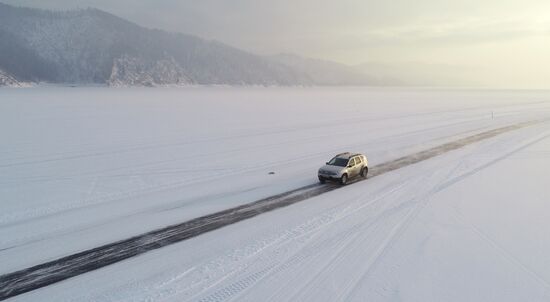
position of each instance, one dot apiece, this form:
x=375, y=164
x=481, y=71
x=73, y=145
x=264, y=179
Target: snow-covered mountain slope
x=131, y=71
x=8, y=80
x=92, y=46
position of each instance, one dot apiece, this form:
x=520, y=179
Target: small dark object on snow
x=271, y=173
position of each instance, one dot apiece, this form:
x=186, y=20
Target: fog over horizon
x=497, y=44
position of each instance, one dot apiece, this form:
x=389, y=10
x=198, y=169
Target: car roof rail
x=344, y=153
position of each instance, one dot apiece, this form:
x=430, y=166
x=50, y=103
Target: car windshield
x=338, y=161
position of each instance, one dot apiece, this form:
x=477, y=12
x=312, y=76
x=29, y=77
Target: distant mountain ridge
x=328, y=73
x=91, y=46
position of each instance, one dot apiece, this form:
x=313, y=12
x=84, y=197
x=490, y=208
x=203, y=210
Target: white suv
x=343, y=167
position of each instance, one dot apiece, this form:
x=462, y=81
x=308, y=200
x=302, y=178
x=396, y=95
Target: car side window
x=358, y=160
x=351, y=162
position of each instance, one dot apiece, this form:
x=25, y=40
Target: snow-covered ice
x=80, y=167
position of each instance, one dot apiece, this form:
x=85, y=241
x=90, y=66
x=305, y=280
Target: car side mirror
x=326, y=163
x=349, y=166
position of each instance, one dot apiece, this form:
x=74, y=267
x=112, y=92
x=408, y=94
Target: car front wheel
x=344, y=179
x=322, y=179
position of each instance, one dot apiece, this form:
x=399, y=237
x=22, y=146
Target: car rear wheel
x=344, y=179
x=364, y=172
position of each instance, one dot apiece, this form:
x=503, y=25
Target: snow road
x=384, y=239
x=45, y=274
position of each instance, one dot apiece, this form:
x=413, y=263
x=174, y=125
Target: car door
x=359, y=163
x=353, y=168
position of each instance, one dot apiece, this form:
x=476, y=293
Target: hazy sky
x=499, y=43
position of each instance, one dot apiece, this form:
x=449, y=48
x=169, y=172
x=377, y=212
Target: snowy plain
x=81, y=167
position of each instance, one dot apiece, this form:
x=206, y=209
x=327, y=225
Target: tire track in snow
x=367, y=233
x=13, y=284
x=299, y=240
x=487, y=239
x=396, y=232
x=237, y=261
x=443, y=184
x=504, y=253
x=412, y=208
x=339, y=242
